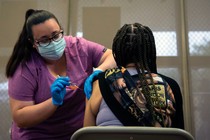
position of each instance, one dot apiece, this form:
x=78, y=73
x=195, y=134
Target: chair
x=130, y=133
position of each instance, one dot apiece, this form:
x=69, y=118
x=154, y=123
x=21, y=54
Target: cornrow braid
x=134, y=43
x=150, y=55
x=142, y=60
x=151, y=50
x=119, y=41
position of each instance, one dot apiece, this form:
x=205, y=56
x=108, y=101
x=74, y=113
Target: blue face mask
x=54, y=50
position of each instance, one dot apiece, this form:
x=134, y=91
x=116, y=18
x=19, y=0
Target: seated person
x=133, y=94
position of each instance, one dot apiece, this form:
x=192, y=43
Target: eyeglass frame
x=50, y=39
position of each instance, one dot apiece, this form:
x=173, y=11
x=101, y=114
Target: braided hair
x=134, y=43
x=136, y=35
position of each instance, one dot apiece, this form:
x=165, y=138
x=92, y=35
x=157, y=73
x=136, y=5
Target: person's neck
x=58, y=67
x=56, y=62
x=131, y=65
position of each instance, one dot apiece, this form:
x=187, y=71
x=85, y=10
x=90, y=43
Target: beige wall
x=100, y=24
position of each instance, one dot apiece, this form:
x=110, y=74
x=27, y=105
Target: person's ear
x=35, y=46
x=33, y=43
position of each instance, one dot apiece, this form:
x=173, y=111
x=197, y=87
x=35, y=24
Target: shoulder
x=80, y=41
x=73, y=39
x=174, y=87
x=31, y=66
x=168, y=79
x=82, y=44
x=70, y=40
x=173, y=84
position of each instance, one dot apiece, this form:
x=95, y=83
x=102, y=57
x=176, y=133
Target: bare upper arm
x=96, y=97
x=92, y=106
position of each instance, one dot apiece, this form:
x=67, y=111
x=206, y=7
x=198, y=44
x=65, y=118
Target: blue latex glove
x=89, y=81
x=58, y=90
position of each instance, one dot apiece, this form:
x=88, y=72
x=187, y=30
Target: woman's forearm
x=26, y=114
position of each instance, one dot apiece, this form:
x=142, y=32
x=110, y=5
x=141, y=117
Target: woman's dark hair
x=134, y=43
x=24, y=45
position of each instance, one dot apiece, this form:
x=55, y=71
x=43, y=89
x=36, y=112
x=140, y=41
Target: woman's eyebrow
x=45, y=36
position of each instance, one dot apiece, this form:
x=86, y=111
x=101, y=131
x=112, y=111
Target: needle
x=72, y=86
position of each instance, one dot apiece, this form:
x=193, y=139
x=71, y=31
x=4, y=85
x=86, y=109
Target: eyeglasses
x=46, y=41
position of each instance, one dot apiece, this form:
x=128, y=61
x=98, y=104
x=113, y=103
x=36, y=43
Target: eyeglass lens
x=57, y=37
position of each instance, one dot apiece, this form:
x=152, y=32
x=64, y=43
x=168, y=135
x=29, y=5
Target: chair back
x=130, y=133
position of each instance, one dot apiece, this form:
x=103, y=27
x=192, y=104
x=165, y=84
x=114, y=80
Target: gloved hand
x=89, y=81
x=58, y=90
